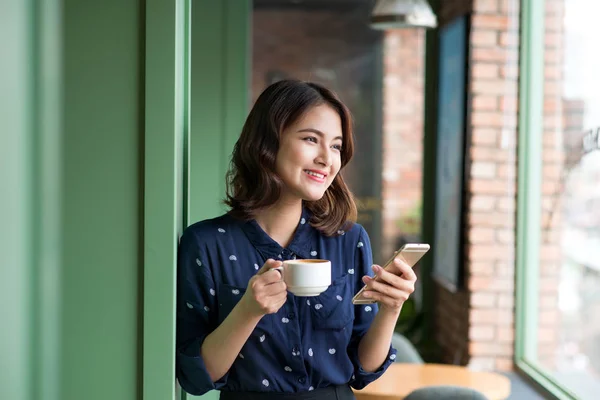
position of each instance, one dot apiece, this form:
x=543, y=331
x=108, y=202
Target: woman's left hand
x=392, y=287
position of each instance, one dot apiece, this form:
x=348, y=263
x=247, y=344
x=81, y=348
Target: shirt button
x=302, y=379
x=291, y=315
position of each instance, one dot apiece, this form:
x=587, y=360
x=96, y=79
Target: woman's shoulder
x=209, y=228
x=353, y=230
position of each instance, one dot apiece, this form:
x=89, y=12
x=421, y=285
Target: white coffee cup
x=306, y=277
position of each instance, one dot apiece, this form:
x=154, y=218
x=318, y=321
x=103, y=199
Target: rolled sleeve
x=196, y=316
x=364, y=315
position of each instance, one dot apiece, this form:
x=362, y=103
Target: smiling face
x=309, y=155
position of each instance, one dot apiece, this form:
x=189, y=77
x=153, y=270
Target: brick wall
x=484, y=309
x=403, y=91
x=481, y=315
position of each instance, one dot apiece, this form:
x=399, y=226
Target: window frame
x=529, y=198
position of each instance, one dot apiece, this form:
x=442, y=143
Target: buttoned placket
x=294, y=331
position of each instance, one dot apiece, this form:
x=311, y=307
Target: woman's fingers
x=391, y=287
x=404, y=270
x=268, y=266
x=401, y=290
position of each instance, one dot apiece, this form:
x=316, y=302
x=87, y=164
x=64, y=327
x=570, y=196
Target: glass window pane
x=568, y=336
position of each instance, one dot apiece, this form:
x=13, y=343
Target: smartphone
x=410, y=253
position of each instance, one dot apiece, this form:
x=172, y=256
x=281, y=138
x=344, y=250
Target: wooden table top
x=400, y=379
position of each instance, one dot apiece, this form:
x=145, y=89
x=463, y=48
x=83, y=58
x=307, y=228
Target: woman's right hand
x=266, y=292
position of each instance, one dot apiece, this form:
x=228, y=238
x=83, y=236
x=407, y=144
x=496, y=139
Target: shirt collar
x=269, y=248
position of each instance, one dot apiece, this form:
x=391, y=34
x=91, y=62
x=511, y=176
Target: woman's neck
x=280, y=221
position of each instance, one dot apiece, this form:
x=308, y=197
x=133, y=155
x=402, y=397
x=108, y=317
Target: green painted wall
x=16, y=202
x=220, y=91
x=30, y=233
x=101, y=200
x=102, y=166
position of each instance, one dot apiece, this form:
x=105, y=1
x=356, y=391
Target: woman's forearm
x=375, y=345
x=223, y=345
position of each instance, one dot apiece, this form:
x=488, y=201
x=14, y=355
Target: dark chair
x=445, y=392
x=406, y=351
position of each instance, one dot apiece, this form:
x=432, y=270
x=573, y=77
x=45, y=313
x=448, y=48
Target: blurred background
x=477, y=129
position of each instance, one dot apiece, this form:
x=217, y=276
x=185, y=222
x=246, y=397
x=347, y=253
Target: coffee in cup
x=306, y=277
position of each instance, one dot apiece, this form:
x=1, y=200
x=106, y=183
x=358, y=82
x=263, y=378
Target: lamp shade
x=393, y=14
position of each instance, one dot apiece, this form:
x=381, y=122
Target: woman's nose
x=324, y=158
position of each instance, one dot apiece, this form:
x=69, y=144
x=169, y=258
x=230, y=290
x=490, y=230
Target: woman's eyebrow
x=318, y=132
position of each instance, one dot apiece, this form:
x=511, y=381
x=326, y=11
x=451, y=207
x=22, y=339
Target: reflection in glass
x=569, y=307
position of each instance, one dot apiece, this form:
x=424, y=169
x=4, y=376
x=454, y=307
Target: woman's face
x=309, y=155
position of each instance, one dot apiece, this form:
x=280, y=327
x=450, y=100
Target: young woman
x=238, y=329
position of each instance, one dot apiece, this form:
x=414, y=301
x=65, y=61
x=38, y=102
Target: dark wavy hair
x=253, y=185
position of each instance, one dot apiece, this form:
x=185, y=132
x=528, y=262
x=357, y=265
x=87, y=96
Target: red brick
x=488, y=186
x=510, y=8
x=552, y=171
x=493, y=284
x=552, y=88
x=506, y=300
x=505, y=236
x=506, y=269
x=546, y=335
x=509, y=39
x=482, y=332
x=482, y=236
x=552, y=72
x=484, y=136
x=482, y=203
x=483, y=38
x=481, y=268
x=485, y=103
x=509, y=71
x=548, y=285
x=491, y=316
x=490, y=349
x=483, y=299
x=548, y=301
x=485, y=6
x=493, y=219
x=483, y=169
x=550, y=253
x=548, y=318
x=500, y=22
x=481, y=252
x=489, y=87
x=554, y=8
x=509, y=103
x=506, y=334
x=490, y=54
x=554, y=23
x=508, y=171
x=507, y=204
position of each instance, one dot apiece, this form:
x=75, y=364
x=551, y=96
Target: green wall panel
x=16, y=202
x=164, y=201
x=219, y=97
x=94, y=179
x=29, y=203
x=101, y=205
